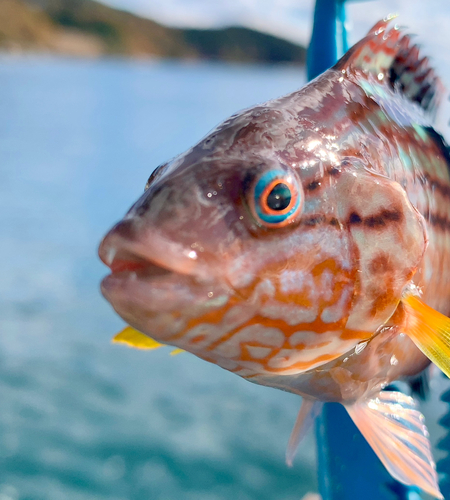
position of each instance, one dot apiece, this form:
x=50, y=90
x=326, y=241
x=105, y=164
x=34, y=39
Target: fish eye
x=276, y=198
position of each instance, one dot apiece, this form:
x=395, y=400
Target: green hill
x=89, y=28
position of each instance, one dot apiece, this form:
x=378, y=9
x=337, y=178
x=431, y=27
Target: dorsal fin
x=391, y=57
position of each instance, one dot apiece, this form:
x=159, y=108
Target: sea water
x=80, y=418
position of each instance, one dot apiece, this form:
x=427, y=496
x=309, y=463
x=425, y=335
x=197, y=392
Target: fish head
x=261, y=249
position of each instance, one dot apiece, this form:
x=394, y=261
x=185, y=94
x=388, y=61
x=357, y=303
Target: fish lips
x=152, y=296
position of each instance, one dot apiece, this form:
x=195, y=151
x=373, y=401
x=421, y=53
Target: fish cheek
x=389, y=236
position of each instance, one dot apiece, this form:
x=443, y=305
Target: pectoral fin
x=309, y=410
x=396, y=431
x=429, y=330
x=138, y=340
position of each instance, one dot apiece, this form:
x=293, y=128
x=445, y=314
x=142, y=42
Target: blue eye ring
x=276, y=198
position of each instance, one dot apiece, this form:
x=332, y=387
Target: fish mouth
x=138, y=272
x=125, y=247
x=150, y=294
x=131, y=272
x=123, y=262
x=128, y=263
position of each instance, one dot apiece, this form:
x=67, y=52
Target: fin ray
x=429, y=330
x=396, y=431
x=309, y=410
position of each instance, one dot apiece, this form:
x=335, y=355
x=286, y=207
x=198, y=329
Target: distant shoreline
x=6, y=55
x=88, y=29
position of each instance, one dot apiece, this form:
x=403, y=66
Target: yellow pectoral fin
x=136, y=339
x=430, y=331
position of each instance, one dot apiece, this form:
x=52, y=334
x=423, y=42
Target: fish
x=303, y=244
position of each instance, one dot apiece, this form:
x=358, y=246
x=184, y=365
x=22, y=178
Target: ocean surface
x=80, y=418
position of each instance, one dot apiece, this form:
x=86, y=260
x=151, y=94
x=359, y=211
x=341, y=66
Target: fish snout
x=130, y=247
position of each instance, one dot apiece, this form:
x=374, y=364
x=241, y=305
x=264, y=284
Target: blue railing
x=329, y=37
x=348, y=469
x=443, y=466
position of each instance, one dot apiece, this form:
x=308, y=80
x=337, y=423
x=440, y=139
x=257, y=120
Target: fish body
x=290, y=246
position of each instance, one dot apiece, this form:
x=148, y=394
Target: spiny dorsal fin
x=391, y=56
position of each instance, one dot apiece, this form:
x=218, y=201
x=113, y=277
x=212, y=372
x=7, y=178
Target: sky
x=292, y=18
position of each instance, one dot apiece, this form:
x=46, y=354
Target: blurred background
x=92, y=99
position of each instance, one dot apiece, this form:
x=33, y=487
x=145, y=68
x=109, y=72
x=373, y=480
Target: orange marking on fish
x=380, y=264
x=304, y=365
x=214, y=317
x=198, y=339
x=383, y=296
x=263, y=362
x=230, y=334
x=319, y=345
x=329, y=264
x=317, y=326
x=301, y=298
x=348, y=334
x=246, y=354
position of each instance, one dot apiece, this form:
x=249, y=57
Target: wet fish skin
x=240, y=277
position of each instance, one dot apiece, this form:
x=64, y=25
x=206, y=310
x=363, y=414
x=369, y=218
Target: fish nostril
x=125, y=229
x=140, y=211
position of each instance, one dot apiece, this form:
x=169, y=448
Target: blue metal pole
x=322, y=51
x=329, y=37
x=443, y=465
x=348, y=468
